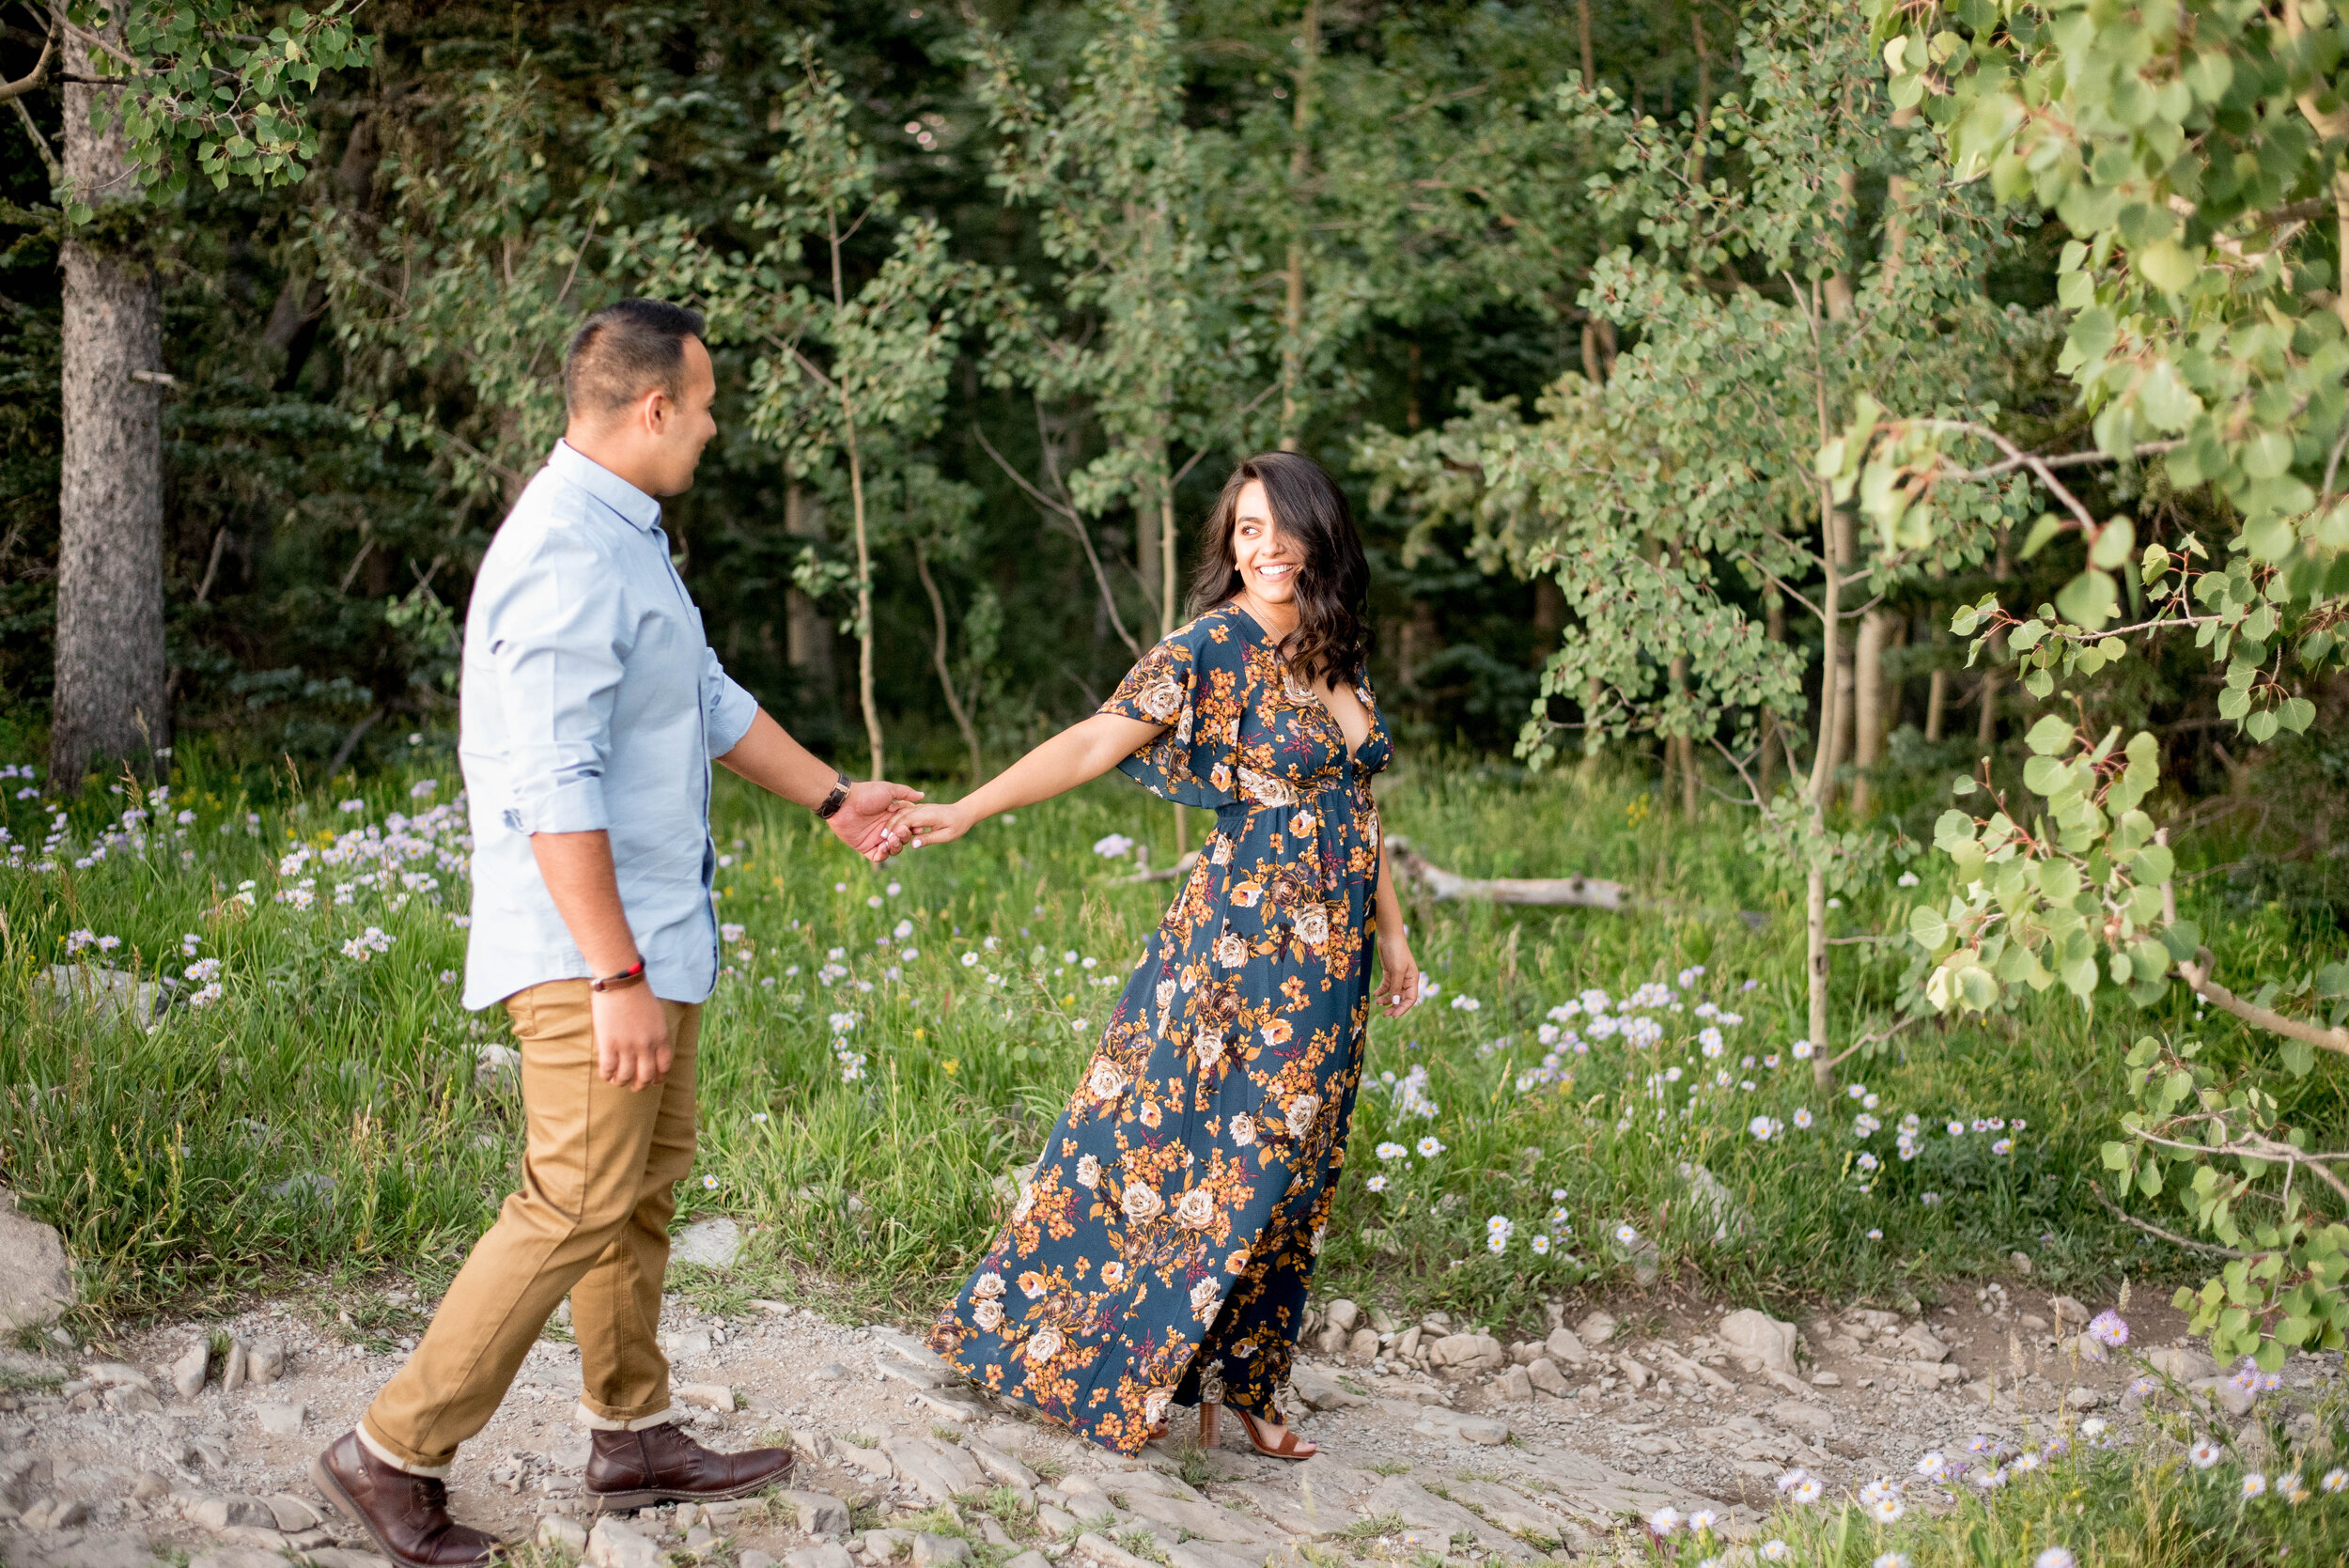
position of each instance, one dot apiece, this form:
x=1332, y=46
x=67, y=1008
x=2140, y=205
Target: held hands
x=864, y=820
x=1398, y=977
x=917, y=825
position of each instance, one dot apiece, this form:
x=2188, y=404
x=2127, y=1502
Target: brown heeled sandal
x=1290, y=1447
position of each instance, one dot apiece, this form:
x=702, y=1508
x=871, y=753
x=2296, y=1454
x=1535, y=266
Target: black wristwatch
x=831, y=807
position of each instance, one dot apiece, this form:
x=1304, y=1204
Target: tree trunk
x=944, y=667
x=1868, y=724
x=1822, y=789
x=864, y=592
x=1774, y=619
x=1150, y=520
x=1301, y=164
x=807, y=631
x=110, y=665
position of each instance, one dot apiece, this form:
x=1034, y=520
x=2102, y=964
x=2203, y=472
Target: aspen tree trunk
x=109, y=703
x=1937, y=705
x=1838, y=736
x=1822, y=788
x=807, y=631
x=1301, y=164
x=1868, y=723
x=864, y=592
x=1774, y=615
x=938, y=661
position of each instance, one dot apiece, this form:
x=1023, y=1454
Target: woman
x=1163, y=1250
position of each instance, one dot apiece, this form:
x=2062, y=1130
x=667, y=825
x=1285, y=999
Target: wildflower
x=1990, y=1480
x=1886, y=1510
x=1802, y=1119
x=1792, y=1479
x=1701, y=1520
x=2055, y=1557
x=1465, y=1005
x=710, y=1184
x=1930, y=1200
x=1933, y=1467
x=424, y=789
x=205, y=996
x=758, y=1118
x=2334, y=1482
x=1908, y=880
x=1626, y=1235
x=1957, y=1129
x=1807, y=1490
x=1802, y=1050
x=1711, y=1041
x=1876, y=1235
x=107, y=944
x=2027, y=1461
x=1392, y=1151
x=1891, y=1559
x=969, y=960
x=1540, y=1245
x=2092, y=1427
x=894, y=889
x=2002, y=1147
x=1763, y=1128
x=448, y=977
x=1429, y=1147
x=729, y=933
x=1775, y=1550
x=349, y=807
x=2292, y=1488
x=1376, y=1183
x=2204, y=1454
x=2107, y=1327
x=2254, y=1485
x=1114, y=846
x=1664, y=1520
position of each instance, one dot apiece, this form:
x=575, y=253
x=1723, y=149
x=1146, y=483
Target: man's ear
x=653, y=412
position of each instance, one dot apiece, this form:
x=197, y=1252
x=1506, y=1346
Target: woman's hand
x=916, y=825
x=1398, y=977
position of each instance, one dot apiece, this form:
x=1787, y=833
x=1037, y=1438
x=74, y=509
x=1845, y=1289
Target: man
x=591, y=708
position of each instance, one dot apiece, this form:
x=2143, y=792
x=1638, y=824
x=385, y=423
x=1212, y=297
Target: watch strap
x=832, y=802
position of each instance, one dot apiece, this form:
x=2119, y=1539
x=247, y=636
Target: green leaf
x=2332, y=981
x=2090, y=599
x=1926, y=928
x=2047, y=528
x=2114, y=545
x=2167, y=265
x=2051, y=735
x=2166, y=401
x=2298, y=1057
x=2260, y=726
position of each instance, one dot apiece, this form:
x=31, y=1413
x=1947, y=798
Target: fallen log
x=1586, y=892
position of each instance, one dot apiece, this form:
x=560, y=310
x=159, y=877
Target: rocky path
x=1435, y=1438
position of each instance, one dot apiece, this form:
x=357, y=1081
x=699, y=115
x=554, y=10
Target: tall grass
x=332, y=1110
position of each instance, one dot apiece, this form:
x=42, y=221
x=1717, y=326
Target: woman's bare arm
x=1079, y=753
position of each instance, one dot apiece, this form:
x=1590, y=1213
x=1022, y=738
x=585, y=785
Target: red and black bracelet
x=632, y=975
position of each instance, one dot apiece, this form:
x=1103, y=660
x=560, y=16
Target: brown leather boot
x=405, y=1515
x=661, y=1464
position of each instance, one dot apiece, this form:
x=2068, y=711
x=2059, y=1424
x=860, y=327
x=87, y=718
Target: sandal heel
x=1208, y=1411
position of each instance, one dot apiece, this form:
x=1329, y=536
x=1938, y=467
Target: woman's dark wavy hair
x=1332, y=637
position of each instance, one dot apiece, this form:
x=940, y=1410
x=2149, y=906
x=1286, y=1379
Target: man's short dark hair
x=623, y=351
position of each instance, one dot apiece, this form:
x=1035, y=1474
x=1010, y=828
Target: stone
x=264, y=1361
x=1759, y=1342
x=755, y=1558
x=1364, y=1344
x=929, y=1550
x=36, y=1280
x=884, y=1546
x=1714, y=1204
x=1383, y=1320
x=1515, y=1385
x=1564, y=1345
x=934, y=1469
x=148, y=1486
x=292, y=1514
x=1320, y=1389
x=281, y=1418
x=1483, y=1430
x=614, y=1544
x=1094, y=1548
x=824, y=1553
x=136, y=1400
x=819, y=1513
x=1421, y=1508
x=1479, y=1352
x=1200, y=1518
x=2067, y=1310
x=1025, y=1560
x=232, y=1368
x=2185, y=1365
x=1638, y=1374
x=1930, y=1374
x=700, y=1542
x=343, y=1557
x=104, y=992
x=495, y=1067
x=1542, y=1374
x=116, y=1375
x=1330, y=1339
x=1689, y=1372
x=564, y=1535
x=1202, y=1554
x=240, y=1557
x=188, y=1371
x=1002, y=1468
x=2084, y=1399
x=830, y=1371
x=1796, y=1415
x=1922, y=1346
x=1826, y=1380
x=705, y=1396
x=1595, y=1329
x=687, y=1344
x=1342, y=1313
x=217, y=1513
x=1056, y=1523
x=712, y=1244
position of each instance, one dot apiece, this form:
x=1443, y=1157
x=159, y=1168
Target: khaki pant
x=600, y=1165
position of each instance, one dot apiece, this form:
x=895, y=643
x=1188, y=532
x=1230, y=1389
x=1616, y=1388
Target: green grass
x=324, y=1116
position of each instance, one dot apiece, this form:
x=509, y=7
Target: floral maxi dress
x=1170, y=1228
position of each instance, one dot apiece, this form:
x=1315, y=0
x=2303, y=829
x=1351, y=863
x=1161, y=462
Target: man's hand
x=863, y=822
x=631, y=1037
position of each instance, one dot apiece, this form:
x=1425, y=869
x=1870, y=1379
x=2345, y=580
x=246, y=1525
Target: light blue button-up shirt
x=590, y=699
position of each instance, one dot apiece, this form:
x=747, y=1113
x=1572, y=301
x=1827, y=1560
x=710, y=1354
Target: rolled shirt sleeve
x=558, y=640
x=727, y=710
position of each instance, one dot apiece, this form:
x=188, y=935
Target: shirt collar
x=605, y=486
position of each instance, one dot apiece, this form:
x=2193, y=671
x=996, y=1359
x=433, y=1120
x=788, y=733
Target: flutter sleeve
x=1190, y=683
